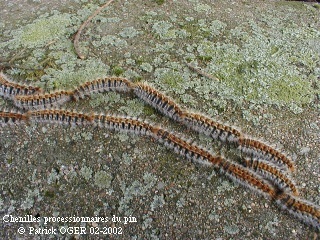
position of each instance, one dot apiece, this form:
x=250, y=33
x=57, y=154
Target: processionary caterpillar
x=59, y=116
x=306, y=211
x=273, y=174
x=42, y=101
x=257, y=149
x=210, y=127
x=11, y=117
x=159, y=101
x=102, y=85
x=9, y=89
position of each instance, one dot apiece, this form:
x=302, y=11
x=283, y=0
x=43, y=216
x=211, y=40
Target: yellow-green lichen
x=41, y=32
x=102, y=179
x=86, y=172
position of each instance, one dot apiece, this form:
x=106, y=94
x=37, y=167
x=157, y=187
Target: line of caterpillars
x=165, y=105
x=263, y=168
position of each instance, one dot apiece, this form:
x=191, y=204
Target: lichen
x=126, y=158
x=31, y=196
x=87, y=136
x=86, y=172
x=129, y=32
x=123, y=137
x=102, y=179
x=163, y=30
x=53, y=176
x=201, y=7
x=113, y=41
x=146, y=67
x=158, y=202
x=133, y=108
x=170, y=79
x=44, y=30
x=231, y=229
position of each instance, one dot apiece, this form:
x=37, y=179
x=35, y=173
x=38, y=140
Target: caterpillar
x=102, y=85
x=11, y=117
x=258, y=150
x=241, y=174
x=170, y=140
x=155, y=98
x=210, y=127
x=58, y=98
x=60, y=116
x=306, y=211
x=197, y=154
x=272, y=173
x=183, y=147
x=42, y=101
x=236, y=172
x=159, y=101
x=9, y=89
x=125, y=124
x=249, y=179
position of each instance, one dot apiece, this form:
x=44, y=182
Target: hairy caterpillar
x=209, y=127
x=272, y=173
x=11, y=117
x=159, y=101
x=59, y=116
x=9, y=89
x=42, y=101
x=102, y=85
x=302, y=209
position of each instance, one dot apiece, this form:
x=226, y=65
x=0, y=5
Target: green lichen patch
x=133, y=108
x=77, y=72
x=169, y=79
x=261, y=69
x=102, y=179
x=41, y=32
x=129, y=32
x=86, y=173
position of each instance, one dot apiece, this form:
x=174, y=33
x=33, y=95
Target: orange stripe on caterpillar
x=42, y=101
x=102, y=85
x=158, y=100
x=9, y=89
x=302, y=209
x=211, y=128
x=11, y=117
x=272, y=173
x=60, y=116
x=260, y=150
